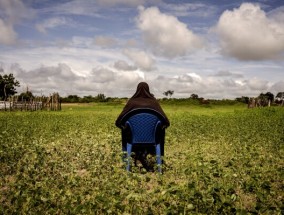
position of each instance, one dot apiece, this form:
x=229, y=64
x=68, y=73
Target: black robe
x=142, y=99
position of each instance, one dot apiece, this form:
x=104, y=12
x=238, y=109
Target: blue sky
x=216, y=49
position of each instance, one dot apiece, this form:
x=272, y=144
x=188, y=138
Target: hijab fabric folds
x=143, y=91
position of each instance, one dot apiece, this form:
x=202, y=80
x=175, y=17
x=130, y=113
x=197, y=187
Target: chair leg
x=129, y=150
x=158, y=156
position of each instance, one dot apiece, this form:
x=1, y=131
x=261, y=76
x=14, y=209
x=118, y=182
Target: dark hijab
x=142, y=99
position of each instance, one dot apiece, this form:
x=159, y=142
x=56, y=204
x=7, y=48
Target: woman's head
x=143, y=91
x=144, y=86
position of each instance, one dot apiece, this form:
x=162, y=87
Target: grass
x=218, y=160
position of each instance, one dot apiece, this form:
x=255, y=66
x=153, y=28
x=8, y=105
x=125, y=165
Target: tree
x=243, y=99
x=269, y=96
x=194, y=96
x=26, y=96
x=87, y=99
x=279, y=98
x=265, y=99
x=71, y=99
x=169, y=93
x=8, y=85
x=100, y=97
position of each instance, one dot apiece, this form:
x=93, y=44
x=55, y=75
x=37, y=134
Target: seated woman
x=142, y=99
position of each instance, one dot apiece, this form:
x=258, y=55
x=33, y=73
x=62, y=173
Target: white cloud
x=277, y=14
x=15, y=11
x=102, y=75
x=225, y=73
x=247, y=33
x=105, y=41
x=141, y=59
x=124, y=66
x=121, y=2
x=201, y=10
x=128, y=80
x=53, y=23
x=44, y=73
x=131, y=3
x=165, y=34
x=7, y=34
x=195, y=77
x=12, y=12
x=76, y=54
x=218, y=87
x=104, y=80
x=185, y=78
x=47, y=79
x=182, y=85
x=82, y=42
x=74, y=7
x=277, y=87
x=63, y=79
x=257, y=84
x=131, y=43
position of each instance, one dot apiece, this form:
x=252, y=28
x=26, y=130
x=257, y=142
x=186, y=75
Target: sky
x=216, y=49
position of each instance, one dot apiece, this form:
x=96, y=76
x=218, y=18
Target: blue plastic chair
x=144, y=128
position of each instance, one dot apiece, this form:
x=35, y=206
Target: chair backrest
x=143, y=127
x=142, y=110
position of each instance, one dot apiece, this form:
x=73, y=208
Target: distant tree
x=262, y=100
x=8, y=85
x=88, y=99
x=26, y=96
x=279, y=98
x=169, y=93
x=280, y=95
x=243, y=99
x=269, y=96
x=265, y=99
x=72, y=99
x=100, y=97
x=194, y=96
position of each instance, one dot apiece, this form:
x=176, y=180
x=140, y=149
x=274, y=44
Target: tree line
x=8, y=85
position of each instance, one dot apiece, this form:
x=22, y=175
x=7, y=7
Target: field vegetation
x=219, y=159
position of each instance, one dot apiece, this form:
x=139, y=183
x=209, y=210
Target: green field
x=218, y=160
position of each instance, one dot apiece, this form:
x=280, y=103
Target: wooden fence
x=51, y=103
